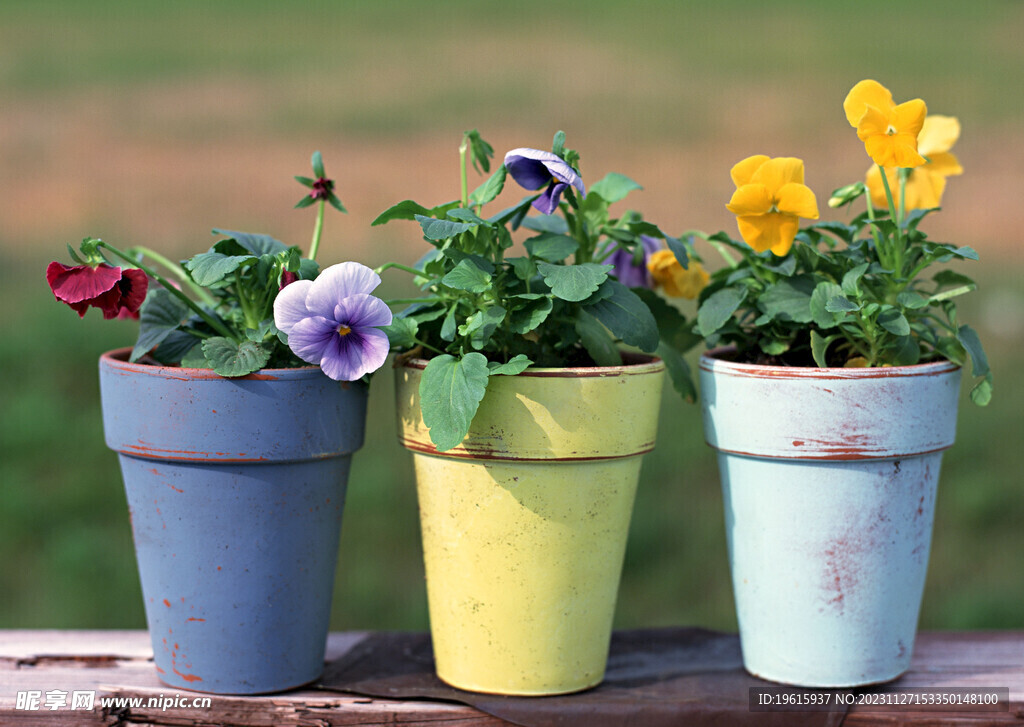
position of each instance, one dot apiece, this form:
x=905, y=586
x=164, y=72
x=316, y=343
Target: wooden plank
x=118, y=665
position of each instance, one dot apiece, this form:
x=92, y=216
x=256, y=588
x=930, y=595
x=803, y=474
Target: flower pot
x=524, y=523
x=829, y=480
x=235, y=488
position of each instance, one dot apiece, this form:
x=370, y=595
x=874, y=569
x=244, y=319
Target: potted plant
x=830, y=394
x=234, y=450
x=526, y=422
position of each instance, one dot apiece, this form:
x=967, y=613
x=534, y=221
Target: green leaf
x=840, y=304
x=678, y=371
x=482, y=151
x=673, y=327
x=911, y=299
x=171, y=349
x=514, y=366
x=523, y=267
x=626, y=316
x=255, y=244
x=614, y=187
x=574, y=282
x=490, y=189
x=448, y=326
x=437, y=230
x=195, y=358
x=161, y=314
x=679, y=250
x=318, y=164
x=905, y=352
x=265, y=329
x=718, y=309
x=969, y=339
x=401, y=332
x=481, y=325
x=951, y=277
x=788, y=300
x=892, y=320
x=208, y=268
x=819, y=348
x=514, y=215
x=551, y=247
x=547, y=223
x=528, y=317
x=823, y=293
x=467, y=276
x=464, y=215
x=230, y=358
x=773, y=346
x=450, y=393
x=596, y=340
x=851, y=280
x=558, y=143
x=457, y=256
x=404, y=210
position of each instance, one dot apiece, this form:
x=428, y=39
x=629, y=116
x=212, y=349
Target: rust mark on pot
x=491, y=454
x=193, y=618
x=167, y=603
x=830, y=453
x=144, y=450
x=160, y=671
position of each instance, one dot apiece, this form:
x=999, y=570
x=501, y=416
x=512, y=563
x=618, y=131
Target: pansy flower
x=117, y=292
x=533, y=169
x=889, y=131
x=769, y=200
x=674, y=279
x=334, y=322
x=925, y=185
x=626, y=270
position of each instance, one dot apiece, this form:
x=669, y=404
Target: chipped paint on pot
x=829, y=479
x=525, y=522
x=235, y=489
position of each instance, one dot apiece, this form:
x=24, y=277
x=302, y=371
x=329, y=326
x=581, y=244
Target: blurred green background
x=152, y=122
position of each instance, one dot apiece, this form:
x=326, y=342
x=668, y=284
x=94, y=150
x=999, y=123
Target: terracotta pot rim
x=118, y=359
x=710, y=361
x=637, y=363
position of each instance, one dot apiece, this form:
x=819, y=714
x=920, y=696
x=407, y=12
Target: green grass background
x=146, y=121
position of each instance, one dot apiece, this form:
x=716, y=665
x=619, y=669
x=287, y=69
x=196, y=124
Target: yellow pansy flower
x=889, y=131
x=674, y=279
x=926, y=183
x=770, y=198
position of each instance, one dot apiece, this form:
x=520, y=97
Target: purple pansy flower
x=333, y=321
x=533, y=168
x=626, y=272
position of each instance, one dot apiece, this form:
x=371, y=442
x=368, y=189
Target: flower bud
x=846, y=195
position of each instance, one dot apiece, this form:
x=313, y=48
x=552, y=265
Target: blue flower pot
x=235, y=489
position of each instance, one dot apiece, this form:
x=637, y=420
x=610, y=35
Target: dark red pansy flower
x=118, y=293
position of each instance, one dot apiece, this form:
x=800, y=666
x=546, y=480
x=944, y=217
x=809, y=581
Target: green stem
x=399, y=266
x=176, y=270
x=428, y=346
x=463, y=171
x=318, y=228
x=898, y=241
x=213, y=322
x=412, y=301
x=903, y=195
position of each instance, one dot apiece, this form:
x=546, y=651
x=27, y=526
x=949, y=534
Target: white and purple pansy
x=333, y=321
x=533, y=169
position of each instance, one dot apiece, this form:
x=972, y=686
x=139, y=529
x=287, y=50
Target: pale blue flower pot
x=235, y=488
x=829, y=479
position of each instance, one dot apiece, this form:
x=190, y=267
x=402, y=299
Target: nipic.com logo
x=35, y=700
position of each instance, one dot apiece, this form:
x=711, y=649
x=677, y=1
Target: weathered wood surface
x=119, y=664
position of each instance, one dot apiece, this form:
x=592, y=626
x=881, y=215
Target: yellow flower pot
x=525, y=522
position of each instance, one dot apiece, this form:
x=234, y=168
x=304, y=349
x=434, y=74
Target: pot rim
x=711, y=362
x=637, y=363
x=118, y=359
